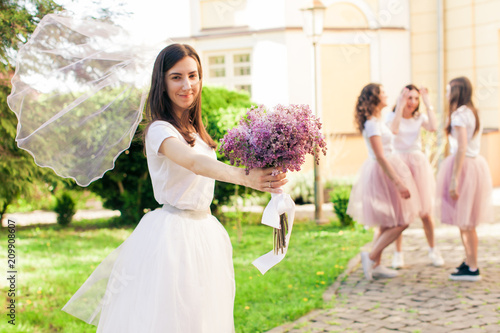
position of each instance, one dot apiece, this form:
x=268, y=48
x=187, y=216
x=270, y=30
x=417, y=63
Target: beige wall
x=346, y=157
x=344, y=15
x=490, y=149
x=424, y=45
x=471, y=47
x=341, y=81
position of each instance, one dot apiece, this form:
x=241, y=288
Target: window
x=231, y=69
x=244, y=87
x=217, y=66
x=241, y=64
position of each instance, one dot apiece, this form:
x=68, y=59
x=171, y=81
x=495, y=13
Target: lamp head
x=314, y=19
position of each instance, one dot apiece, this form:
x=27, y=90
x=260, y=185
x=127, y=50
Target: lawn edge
x=328, y=295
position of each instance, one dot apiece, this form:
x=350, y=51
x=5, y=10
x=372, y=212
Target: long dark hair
x=159, y=106
x=414, y=112
x=366, y=104
x=461, y=94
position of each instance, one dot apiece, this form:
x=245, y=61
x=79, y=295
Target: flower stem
x=279, y=235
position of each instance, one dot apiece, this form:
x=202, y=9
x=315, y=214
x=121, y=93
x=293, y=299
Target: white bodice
x=464, y=117
x=373, y=127
x=408, y=137
x=172, y=183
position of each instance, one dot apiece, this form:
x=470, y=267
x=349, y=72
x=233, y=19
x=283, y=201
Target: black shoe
x=462, y=266
x=464, y=274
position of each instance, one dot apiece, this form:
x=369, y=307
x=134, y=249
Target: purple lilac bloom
x=278, y=138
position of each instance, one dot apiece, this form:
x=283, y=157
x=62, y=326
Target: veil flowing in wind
x=78, y=92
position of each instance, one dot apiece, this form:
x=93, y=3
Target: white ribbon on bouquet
x=279, y=204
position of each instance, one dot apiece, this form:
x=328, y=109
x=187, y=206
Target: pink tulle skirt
x=474, y=204
x=424, y=179
x=375, y=200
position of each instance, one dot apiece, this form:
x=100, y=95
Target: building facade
x=260, y=47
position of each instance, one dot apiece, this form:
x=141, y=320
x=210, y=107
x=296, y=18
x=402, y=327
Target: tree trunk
x=4, y=209
x=120, y=187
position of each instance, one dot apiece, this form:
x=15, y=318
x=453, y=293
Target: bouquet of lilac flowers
x=279, y=138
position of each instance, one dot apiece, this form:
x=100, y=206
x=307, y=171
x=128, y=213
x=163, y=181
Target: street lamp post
x=313, y=27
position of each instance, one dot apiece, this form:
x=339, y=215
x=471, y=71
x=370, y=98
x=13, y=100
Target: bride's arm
x=259, y=179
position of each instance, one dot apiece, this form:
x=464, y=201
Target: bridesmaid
x=385, y=194
x=464, y=181
x=406, y=123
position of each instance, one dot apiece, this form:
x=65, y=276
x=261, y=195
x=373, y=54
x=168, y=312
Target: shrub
x=222, y=109
x=301, y=187
x=340, y=198
x=65, y=209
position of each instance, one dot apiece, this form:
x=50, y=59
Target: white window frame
x=230, y=81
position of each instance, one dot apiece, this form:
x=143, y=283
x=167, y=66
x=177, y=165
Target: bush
x=301, y=187
x=340, y=198
x=128, y=187
x=65, y=209
x=222, y=109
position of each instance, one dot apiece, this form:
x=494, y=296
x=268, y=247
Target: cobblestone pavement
x=421, y=298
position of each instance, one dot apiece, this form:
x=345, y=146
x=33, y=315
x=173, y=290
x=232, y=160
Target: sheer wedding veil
x=78, y=92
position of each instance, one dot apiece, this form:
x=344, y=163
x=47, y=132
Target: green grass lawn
x=53, y=262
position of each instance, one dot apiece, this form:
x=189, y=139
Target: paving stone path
x=421, y=299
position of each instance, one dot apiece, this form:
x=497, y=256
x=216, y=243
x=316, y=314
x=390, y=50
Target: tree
x=17, y=23
x=18, y=20
x=17, y=168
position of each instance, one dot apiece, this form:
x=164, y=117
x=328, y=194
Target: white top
x=464, y=117
x=375, y=127
x=408, y=138
x=172, y=183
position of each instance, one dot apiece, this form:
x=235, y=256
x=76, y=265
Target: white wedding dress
x=174, y=274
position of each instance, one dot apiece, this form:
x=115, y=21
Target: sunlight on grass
x=54, y=262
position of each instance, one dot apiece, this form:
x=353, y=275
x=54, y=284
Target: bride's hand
x=262, y=179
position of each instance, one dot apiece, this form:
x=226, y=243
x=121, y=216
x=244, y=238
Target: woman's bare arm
x=430, y=125
x=378, y=149
x=259, y=179
x=458, y=161
x=398, y=113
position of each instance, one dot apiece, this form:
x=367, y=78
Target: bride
x=175, y=272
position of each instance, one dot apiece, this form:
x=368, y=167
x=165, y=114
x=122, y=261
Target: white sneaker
x=367, y=264
x=436, y=258
x=384, y=272
x=398, y=260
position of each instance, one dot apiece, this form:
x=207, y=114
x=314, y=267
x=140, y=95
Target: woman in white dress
x=175, y=272
x=385, y=195
x=464, y=184
x=406, y=123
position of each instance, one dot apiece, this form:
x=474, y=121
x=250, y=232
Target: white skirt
x=173, y=274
